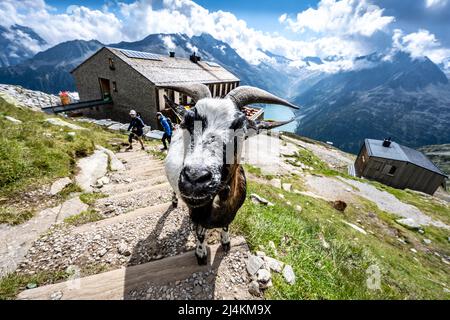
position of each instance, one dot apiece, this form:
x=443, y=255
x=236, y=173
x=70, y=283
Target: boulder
x=90, y=169
x=288, y=274
x=59, y=185
x=359, y=229
x=123, y=249
x=339, y=205
x=114, y=163
x=409, y=223
x=253, y=288
x=62, y=123
x=275, y=183
x=254, y=263
x=287, y=187
x=256, y=199
x=273, y=264
x=70, y=208
x=264, y=279
x=104, y=180
x=13, y=120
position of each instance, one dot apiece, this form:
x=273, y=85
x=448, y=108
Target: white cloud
x=168, y=42
x=134, y=21
x=283, y=18
x=342, y=28
x=435, y=3
x=343, y=17
x=419, y=44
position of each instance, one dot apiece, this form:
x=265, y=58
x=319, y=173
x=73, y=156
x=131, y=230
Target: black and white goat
x=203, y=162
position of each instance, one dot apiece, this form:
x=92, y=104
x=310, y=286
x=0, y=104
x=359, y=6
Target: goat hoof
x=202, y=261
x=226, y=247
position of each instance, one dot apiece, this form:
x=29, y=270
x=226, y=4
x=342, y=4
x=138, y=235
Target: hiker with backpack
x=167, y=127
x=136, y=126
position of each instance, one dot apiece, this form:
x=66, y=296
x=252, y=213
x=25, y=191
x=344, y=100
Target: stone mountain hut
x=398, y=166
x=136, y=80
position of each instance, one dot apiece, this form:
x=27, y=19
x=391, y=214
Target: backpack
x=170, y=124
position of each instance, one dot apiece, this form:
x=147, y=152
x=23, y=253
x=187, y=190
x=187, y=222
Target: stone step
x=124, y=202
x=125, y=282
x=141, y=191
x=137, y=175
x=147, y=211
x=144, y=171
x=127, y=156
x=146, y=234
x=144, y=166
x=125, y=187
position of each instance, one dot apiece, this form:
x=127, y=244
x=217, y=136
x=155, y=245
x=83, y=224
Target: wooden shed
x=398, y=166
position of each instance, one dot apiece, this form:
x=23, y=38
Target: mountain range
x=384, y=95
x=18, y=43
x=49, y=70
x=391, y=96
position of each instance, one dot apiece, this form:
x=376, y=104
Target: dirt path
x=346, y=189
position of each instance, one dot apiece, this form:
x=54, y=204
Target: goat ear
x=180, y=111
x=255, y=128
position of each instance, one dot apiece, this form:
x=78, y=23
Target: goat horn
x=245, y=95
x=197, y=91
x=268, y=125
x=179, y=110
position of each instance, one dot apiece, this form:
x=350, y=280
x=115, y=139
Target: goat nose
x=196, y=175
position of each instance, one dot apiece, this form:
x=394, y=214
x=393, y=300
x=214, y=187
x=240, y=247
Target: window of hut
x=111, y=64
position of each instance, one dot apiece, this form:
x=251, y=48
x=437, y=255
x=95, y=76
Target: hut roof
x=164, y=70
x=398, y=152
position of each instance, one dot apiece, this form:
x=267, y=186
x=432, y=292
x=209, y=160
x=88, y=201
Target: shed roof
x=164, y=70
x=400, y=153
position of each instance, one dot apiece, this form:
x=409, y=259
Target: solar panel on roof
x=140, y=55
x=212, y=64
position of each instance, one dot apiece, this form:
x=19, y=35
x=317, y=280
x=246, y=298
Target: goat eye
x=238, y=123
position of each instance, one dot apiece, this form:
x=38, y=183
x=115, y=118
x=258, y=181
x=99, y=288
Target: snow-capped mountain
x=49, y=71
x=17, y=44
x=391, y=96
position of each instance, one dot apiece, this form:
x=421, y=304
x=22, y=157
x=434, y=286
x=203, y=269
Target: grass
x=68, y=190
x=90, y=198
x=84, y=217
x=36, y=152
x=342, y=270
x=14, y=283
x=12, y=216
x=156, y=152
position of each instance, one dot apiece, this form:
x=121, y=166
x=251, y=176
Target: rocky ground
x=141, y=227
x=34, y=100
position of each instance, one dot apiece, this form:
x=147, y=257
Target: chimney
x=172, y=54
x=387, y=142
x=194, y=58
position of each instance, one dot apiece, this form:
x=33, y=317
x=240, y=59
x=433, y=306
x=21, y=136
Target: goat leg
x=200, y=251
x=225, y=239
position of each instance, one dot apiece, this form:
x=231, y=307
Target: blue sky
x=296, y=29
